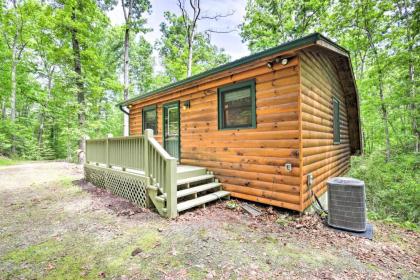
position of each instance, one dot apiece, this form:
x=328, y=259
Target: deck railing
x=126, y=152
x=142, y=154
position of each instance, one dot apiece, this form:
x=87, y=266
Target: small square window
x=150, y=118
x=237, y=106
x=336, y=121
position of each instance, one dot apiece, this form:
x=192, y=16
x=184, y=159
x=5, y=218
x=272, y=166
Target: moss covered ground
x=55, y=226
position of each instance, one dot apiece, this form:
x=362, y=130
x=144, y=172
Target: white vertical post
x=86, y=149
x=147, y=134
x=126, y=122
x=171, y=188
x=107, y=152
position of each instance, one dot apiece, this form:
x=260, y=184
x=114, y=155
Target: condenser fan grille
x=346, y=204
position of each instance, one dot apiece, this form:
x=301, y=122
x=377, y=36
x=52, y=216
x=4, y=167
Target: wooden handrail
x=114, y=138
x=160, y=149
x=161, y=167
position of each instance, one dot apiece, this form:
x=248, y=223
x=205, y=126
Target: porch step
x=195, y=186
x=201, y=200
x=194, y=190
x=194, y=179
x=187, y=171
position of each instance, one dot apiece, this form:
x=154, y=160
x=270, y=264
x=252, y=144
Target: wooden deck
x=139, y=169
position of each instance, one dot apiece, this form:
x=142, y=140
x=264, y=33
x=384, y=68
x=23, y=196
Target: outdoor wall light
x=186, y=105
x=129, y=106
x=281, y=60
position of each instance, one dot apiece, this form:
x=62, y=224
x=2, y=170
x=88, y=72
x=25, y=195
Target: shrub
x=392, y=188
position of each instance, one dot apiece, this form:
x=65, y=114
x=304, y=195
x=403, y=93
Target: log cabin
x=272, y=127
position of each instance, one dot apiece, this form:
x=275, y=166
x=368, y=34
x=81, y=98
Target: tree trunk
x=126, y=73
x=42, y=115
x=126, y=62
x=40, y=130
x=13, y=96
x=413, y=109
x=80, y=92
x=3, y=109
x=385, y=118
x=190, y=58
x=381, y=96
x=404, y=14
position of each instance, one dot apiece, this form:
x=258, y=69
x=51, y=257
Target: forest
x=64, y=66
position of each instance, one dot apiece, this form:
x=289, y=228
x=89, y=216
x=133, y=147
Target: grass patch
x=72, y=268
x=35, y=254
x=28, y=262
x=4, y=161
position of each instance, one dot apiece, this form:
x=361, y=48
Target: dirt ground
x=53, y=225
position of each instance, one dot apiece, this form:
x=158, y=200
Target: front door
x=171, y=129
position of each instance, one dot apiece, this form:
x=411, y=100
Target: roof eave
x=315, y=38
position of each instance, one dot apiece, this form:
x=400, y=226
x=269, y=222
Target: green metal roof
x=307, y=40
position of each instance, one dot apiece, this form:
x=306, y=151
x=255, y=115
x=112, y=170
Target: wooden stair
x=195, y=187
x=202, y=200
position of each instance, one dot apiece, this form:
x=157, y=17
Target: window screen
x=336, y=120
x=237, y=106
x=150, y=119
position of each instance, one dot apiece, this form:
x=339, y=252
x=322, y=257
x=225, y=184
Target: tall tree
x=380, y=36
x=141, y=70
x=190, y=25
x=174, y=50
x=78, y=9
x=4, y=55
x=407, y=18
x=134, y=21
x=368, y=21
x=140, y=57
x=133, y=15
x=85, y=22
x=44, y=47
x=47, y=108
x=16, y=24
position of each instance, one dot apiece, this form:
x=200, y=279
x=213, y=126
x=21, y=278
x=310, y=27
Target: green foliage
x=46, y=125
x=270, y=23
x=392, y=188
x=381, y=37
x=141, y=66
x=232, y=204
x=173, y=50
x=138, y=8
x=47, y=84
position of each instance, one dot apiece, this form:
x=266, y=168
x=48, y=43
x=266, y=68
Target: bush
x=392, y=188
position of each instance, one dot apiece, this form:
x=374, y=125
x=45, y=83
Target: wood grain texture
x=320, y=82
x=294, y=125
x=249, y=162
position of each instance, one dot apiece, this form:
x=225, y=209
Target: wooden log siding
x=320, y=82
x=249, y=162
x=294, y=125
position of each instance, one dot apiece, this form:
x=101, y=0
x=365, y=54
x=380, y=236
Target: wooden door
x=171, y=129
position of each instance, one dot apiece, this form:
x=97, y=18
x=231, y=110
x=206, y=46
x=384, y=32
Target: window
x=336, y=120
x=150, y=118
x=237, y=106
